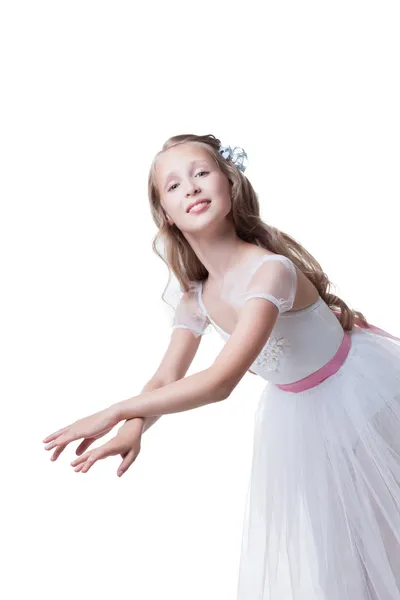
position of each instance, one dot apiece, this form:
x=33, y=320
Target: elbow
x=220, y=388
x=223, y=392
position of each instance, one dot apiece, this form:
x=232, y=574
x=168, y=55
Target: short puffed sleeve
x=272, y=277
x=188, y=313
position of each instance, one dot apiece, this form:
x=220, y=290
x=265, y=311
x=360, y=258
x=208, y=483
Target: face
x=185, y=174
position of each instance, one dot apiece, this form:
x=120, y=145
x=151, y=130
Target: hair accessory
x=236, y=155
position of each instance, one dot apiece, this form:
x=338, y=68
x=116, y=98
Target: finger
x=52, y=436
x=85, y=465
x=89, y=462
x=63, y=440
x=110, y=448
x=52, y=445
x=79, y=460
x=126, y=463
x=100, y=452
x=57, y=452
x=88, y=459
x=84, y=445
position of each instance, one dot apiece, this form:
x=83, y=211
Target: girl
x=325, y=477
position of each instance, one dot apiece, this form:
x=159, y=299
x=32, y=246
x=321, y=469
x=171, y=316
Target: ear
x=169, y=220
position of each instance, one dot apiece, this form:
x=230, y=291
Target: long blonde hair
x=245, y=214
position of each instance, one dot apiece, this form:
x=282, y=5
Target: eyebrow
x=192, y=163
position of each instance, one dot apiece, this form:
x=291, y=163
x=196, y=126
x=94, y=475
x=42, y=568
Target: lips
x=196, y=202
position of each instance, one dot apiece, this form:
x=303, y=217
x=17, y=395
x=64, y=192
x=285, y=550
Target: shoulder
x=192, y=292
x=260, y=253
x=272, y=263
x=192, y=298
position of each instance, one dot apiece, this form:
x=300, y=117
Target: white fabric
x=189, y=315
x=300, y=343
x=272, y=277
x=295, y=348
x=187, y=312
x=322, y=518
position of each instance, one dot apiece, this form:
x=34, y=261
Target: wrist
x=123, y=410
x=135, y=425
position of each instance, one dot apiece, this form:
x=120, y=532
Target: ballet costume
x=322, y=516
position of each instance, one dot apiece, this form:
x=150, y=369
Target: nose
x=193, y=189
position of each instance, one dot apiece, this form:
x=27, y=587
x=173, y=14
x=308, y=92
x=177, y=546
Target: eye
x=172, y=188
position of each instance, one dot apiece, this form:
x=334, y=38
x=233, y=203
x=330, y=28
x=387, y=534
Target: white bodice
x=301, y=342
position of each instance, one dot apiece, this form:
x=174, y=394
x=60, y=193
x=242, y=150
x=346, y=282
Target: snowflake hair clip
x=236, y=155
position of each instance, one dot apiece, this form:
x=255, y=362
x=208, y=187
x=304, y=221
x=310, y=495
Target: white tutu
x=322, y=518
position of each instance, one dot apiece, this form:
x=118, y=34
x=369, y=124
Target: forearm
x=151, y=385
x=185, y=394
x=148, y=422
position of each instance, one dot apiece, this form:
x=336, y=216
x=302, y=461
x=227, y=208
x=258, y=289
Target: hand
x=126, y=443
x=94, y=426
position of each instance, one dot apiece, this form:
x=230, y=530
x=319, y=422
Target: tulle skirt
x=322, y=517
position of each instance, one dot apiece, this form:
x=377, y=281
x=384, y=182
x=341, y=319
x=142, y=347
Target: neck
x=220, y=252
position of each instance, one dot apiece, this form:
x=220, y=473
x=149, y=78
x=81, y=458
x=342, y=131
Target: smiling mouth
x=199, y=206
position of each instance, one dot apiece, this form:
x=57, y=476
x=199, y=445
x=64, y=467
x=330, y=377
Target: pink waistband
x=324, y=372
x=334, y=364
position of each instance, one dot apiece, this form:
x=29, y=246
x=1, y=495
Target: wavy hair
x=245, y=214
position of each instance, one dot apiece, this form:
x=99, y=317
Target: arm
x=257, y=318
x=173, y=366
x=151, y=385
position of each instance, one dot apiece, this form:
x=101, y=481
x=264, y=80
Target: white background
x=89, y=92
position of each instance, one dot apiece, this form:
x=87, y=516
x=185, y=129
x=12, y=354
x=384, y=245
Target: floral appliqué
x=271, y=354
